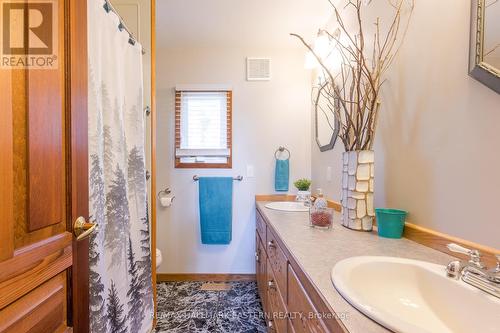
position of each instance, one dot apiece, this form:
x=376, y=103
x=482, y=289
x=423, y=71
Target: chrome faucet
x=474, y=271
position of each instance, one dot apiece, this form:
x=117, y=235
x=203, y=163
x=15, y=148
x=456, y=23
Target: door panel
x=41, y=310
x=32, y=266
x=44, y=177
x=46, y=139
x=45, y=146
x=38, y=196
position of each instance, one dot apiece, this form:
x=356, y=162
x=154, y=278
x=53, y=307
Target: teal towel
x=281, y=175
x=216, y=209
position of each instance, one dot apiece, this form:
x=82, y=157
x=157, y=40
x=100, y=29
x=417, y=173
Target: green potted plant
x=303, y=193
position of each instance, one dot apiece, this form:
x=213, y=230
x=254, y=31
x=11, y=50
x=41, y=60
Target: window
x=203, y=133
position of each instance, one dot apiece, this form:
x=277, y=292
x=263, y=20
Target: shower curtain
x=121, y=298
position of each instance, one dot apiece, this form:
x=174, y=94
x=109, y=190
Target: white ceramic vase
x=303, y=196
x=357, y=190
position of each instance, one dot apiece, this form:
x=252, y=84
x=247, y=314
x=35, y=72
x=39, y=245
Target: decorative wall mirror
x=484, y=54
x=326, y=124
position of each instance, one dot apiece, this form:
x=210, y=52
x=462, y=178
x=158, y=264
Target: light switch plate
x=250, y=171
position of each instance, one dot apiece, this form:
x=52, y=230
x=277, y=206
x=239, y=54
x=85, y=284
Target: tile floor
x=184, y=308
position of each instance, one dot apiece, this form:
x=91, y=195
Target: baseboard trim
x=438, y=241
x=172, y=277
x=335, y=205
x=274, y=197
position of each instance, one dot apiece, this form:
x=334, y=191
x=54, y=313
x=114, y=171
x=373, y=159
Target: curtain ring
x=280, y=150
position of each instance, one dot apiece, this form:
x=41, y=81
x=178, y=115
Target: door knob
x=82, y=229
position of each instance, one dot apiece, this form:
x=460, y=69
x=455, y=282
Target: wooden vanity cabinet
x=276, y=305
x=290, y=301
x=304, y=318
x=260, y=225
x=261, y=270
x=278, y=263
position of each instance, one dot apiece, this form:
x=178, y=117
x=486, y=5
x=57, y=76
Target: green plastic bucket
x=390, y=222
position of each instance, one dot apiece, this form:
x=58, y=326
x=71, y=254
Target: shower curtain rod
x=108, y=7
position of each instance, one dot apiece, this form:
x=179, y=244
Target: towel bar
x=238, y=178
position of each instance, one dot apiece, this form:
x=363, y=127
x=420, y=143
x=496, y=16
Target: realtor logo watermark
x=28, y=36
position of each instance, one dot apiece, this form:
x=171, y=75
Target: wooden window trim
x=229, y=163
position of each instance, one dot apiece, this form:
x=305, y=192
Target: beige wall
x=438, y=143
x=265, y=115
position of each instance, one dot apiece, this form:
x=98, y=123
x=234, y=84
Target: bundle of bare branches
x=354, y=87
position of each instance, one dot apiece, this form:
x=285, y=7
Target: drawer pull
x=271, y=244
x=271, y=284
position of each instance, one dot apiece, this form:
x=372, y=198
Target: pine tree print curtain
x=121, y=298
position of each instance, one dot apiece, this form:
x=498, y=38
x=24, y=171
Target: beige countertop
x=316, y=252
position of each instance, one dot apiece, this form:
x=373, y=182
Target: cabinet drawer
x=261, y=271
x=278, y=313
x=278, y=263
x=303, y=315
x=260, y=225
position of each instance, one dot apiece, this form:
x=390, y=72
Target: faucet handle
x=459, y=249
x=497, y=269
x=475, y=255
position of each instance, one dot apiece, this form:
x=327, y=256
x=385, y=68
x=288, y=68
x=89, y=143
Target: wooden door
x=44, y=186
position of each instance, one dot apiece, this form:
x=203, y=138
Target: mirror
x=326, y=123
x=484, y=64
x=492, y=33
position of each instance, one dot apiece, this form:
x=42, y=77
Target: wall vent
x=258, y=69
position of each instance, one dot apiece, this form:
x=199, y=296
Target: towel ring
x=280, y=150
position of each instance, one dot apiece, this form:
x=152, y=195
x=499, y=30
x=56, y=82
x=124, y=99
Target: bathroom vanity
x=294, y=264
x=290, y=300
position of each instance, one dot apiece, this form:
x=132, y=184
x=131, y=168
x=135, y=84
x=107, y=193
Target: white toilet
x=158, y=258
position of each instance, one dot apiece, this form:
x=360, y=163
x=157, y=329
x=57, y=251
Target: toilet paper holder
x=166, y=191
x=164, y=198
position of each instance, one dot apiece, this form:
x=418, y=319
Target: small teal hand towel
x=281, y=175
x=216, y=209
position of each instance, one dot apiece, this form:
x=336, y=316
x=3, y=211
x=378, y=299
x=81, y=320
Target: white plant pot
x=303, y=196
x=357, y=190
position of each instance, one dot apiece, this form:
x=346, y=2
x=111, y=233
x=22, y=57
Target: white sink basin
x=289, y=206
x=414, y=296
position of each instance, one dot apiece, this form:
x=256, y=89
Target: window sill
x=180, y=165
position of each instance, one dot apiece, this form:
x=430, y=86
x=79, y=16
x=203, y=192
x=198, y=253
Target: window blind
x=203, y=120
